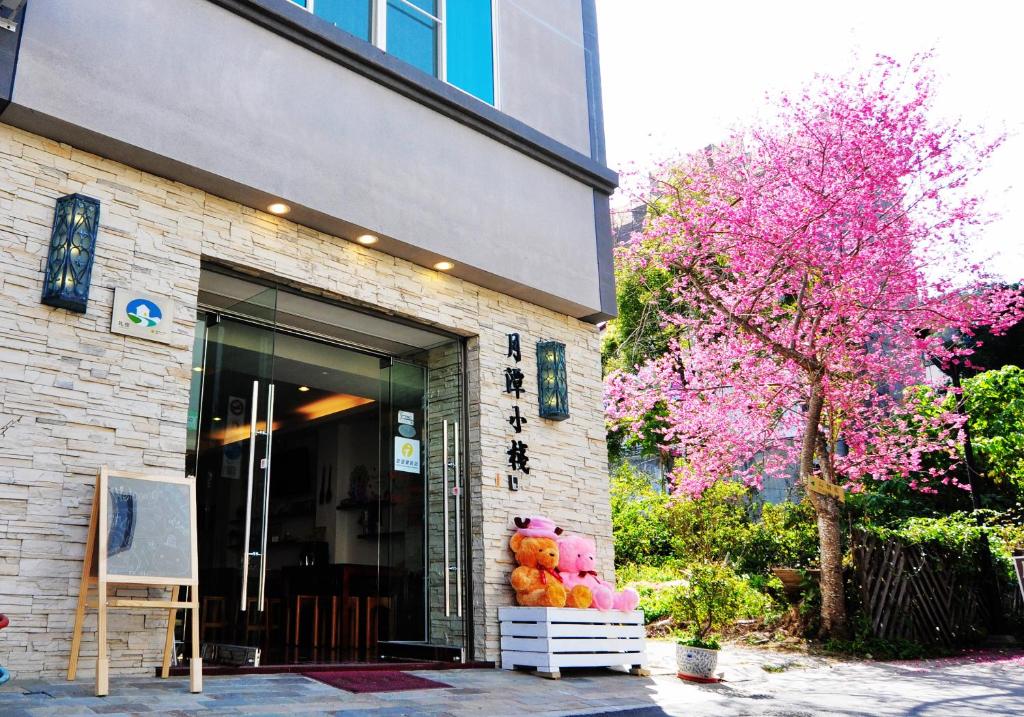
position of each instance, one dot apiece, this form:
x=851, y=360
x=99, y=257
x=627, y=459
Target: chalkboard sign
x=150, y=530
x=142, y=532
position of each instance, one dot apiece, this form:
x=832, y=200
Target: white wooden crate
x=549, y=638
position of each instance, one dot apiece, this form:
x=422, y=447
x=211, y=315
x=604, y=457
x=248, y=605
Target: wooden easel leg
x=195, y=665
x=76, y=636
x=102, y=661
x=83, y=589
x=169, y=639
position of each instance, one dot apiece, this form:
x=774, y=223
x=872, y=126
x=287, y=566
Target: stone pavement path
x=799, y=686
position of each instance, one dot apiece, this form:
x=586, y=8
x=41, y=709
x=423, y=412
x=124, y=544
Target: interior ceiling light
x=331, y=404
x=367, y=239
x=197, y=369
x=279, y=208
x=303, y=388
x=327, y=406
x=444, y=265
x=226, y=435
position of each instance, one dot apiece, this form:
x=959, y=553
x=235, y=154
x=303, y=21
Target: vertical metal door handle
x=458, y=526
x=444, y=493
x=266, y=495
x=248, y=494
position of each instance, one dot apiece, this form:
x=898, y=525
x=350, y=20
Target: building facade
x=335, y=219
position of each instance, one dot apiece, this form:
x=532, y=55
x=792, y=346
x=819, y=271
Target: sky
x=678, y=74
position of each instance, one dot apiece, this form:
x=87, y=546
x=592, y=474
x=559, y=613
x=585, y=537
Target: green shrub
x=712, y=598
x=654, y=584
x=863, y=643
x=958, y=537
x=708, y=643
x=663, y=587
x=712, y=528
x=786, y=536
x=640, y=529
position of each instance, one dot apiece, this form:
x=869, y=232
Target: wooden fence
x=912, y=592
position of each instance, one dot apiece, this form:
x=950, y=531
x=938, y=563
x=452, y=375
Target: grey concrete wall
x=189, y=86
x=542, y=70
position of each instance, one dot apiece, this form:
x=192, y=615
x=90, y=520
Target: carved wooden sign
x=825, y=488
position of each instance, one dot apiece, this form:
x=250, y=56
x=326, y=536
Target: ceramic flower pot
x=697, y=663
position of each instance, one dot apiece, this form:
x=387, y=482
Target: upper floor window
x=452, y=40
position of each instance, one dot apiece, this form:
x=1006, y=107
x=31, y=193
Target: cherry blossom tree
x=815, y=262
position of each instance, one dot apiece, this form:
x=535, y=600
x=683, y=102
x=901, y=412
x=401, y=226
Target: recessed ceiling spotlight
x=216, y=419
x=279, y=208
x=303, y=388
x=367, y=239
x=444, y=266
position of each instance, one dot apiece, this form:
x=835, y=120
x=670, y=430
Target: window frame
x=379, y=37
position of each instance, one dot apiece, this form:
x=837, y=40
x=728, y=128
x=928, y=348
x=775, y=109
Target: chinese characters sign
x=518, y=457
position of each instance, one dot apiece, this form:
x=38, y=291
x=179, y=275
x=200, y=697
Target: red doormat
x=375, y=681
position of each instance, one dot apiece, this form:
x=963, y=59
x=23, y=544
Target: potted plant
x=708, y=601
x=697, y=658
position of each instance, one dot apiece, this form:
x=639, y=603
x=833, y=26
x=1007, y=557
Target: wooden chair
x=256, y=623
x=300, y=601
x=214, y=618
x=275, y=618
x=344, y=622
x=374, y=606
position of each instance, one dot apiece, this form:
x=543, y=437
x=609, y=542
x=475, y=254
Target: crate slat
x=543, y=629
x=510, y=659
x=569, y=644
x=570, y=615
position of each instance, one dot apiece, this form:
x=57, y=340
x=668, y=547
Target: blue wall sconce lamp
x=76, y=221
x=552, y=383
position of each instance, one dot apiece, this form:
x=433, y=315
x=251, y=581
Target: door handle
x=266, y=495
x=444, y=494
x=248, y=495
x=457, y=495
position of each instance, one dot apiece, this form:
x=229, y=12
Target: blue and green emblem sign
x=142, y=314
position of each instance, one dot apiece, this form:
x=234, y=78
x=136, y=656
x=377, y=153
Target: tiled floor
x=797, y=687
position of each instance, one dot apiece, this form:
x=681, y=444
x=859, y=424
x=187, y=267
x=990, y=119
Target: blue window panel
x=470, y=49
x=412, y=36
x=300, y=3
x=426, y=5
x=352, y=16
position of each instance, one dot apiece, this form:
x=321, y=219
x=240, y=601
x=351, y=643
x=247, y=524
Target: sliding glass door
x=330, y=487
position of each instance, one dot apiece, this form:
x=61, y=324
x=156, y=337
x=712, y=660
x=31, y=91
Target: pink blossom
x=828, y=251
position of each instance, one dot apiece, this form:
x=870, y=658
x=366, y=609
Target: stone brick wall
x=74, y=396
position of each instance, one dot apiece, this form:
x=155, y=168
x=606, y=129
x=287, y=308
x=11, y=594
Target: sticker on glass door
x=407, y=455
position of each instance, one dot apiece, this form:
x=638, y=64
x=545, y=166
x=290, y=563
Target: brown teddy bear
x=536, y=580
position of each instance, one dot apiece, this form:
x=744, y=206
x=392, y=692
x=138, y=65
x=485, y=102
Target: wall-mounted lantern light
x=72, y=249
x=552, y=384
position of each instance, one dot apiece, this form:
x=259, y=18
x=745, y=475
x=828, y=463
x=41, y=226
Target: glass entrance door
x=234, y=422
x=332, y=522
x=423, y=565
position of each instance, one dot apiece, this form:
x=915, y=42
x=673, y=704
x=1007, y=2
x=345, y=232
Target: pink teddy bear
x=576, y=566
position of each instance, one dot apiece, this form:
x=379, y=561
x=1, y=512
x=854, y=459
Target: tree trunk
x=833, y=594
x=830, y=553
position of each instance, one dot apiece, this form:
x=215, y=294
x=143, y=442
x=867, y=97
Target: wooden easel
x=94, y=575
